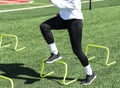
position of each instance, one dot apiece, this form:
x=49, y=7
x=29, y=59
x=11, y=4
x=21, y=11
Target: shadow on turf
x=18, y=71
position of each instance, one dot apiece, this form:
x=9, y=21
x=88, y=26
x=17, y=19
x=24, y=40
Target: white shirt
x=70, y=9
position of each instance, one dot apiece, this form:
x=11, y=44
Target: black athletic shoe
x=53, y=58
x=89, y=79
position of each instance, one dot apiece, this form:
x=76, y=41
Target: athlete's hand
x=57, y=14
x=49, y=0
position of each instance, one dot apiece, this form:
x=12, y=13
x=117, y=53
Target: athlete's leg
x=53, y=23
x=75, y=32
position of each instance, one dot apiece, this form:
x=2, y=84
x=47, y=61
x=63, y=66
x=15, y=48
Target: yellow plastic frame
x=9, y=35
x=102, y=47
x=6, y=78
x=65, y=75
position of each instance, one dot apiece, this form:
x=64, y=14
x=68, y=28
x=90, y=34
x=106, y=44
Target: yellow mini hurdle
x=6, y=78
x=9, y=35
x=65, y=74
x=102, y=47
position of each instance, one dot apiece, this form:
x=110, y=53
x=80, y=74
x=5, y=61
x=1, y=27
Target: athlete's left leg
x=75, y=33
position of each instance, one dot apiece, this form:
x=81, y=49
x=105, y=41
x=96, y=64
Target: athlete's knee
x=81, y=56
x=44, y=27
x=76, y=51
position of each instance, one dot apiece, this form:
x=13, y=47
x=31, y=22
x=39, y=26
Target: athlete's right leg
x=53, y=23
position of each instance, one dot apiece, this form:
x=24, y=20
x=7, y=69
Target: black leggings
x=74, y=27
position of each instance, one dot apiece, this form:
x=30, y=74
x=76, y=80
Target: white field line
x=29, y=8
x=36, y=7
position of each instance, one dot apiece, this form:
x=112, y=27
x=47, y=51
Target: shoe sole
x=49, y=62
x=90, y=81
